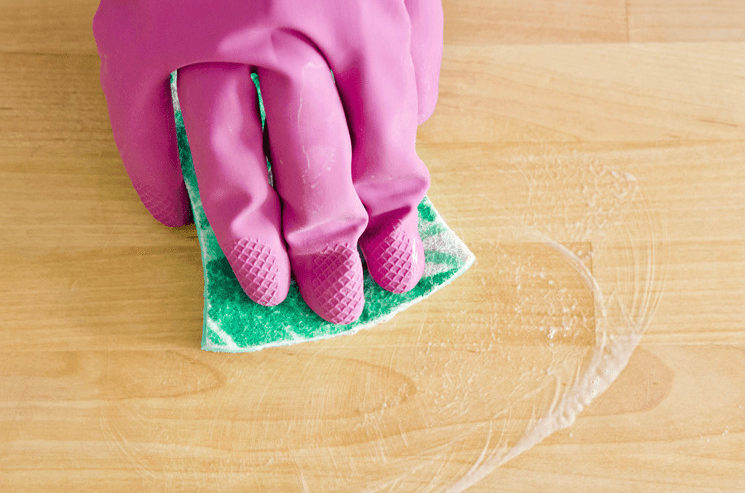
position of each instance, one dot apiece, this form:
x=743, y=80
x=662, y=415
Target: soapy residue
x=616, y=247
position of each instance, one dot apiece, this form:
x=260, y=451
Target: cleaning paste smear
x=234, y=323
x=582, y=278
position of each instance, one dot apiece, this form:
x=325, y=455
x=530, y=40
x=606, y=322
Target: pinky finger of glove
x=141, y=113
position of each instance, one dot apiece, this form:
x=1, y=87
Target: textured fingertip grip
x=395, y=260
x=257, y=271
x=332, y=283
x=172, y=212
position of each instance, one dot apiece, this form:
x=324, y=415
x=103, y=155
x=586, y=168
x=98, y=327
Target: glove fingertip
x=263, y=275
x=395, y=259
x=172, y=210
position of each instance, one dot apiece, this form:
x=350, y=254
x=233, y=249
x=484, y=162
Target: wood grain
x=686, y=20
x=103, y=385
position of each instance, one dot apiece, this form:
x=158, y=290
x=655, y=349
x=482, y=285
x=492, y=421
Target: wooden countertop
x=103, y=385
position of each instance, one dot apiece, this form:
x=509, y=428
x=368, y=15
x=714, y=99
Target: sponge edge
x=234, y=323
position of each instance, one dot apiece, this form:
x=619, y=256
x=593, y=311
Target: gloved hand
x=342, y=148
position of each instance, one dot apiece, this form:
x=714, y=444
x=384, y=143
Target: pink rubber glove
x=343, y=150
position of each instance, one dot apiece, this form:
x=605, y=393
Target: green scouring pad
x=234, y=323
